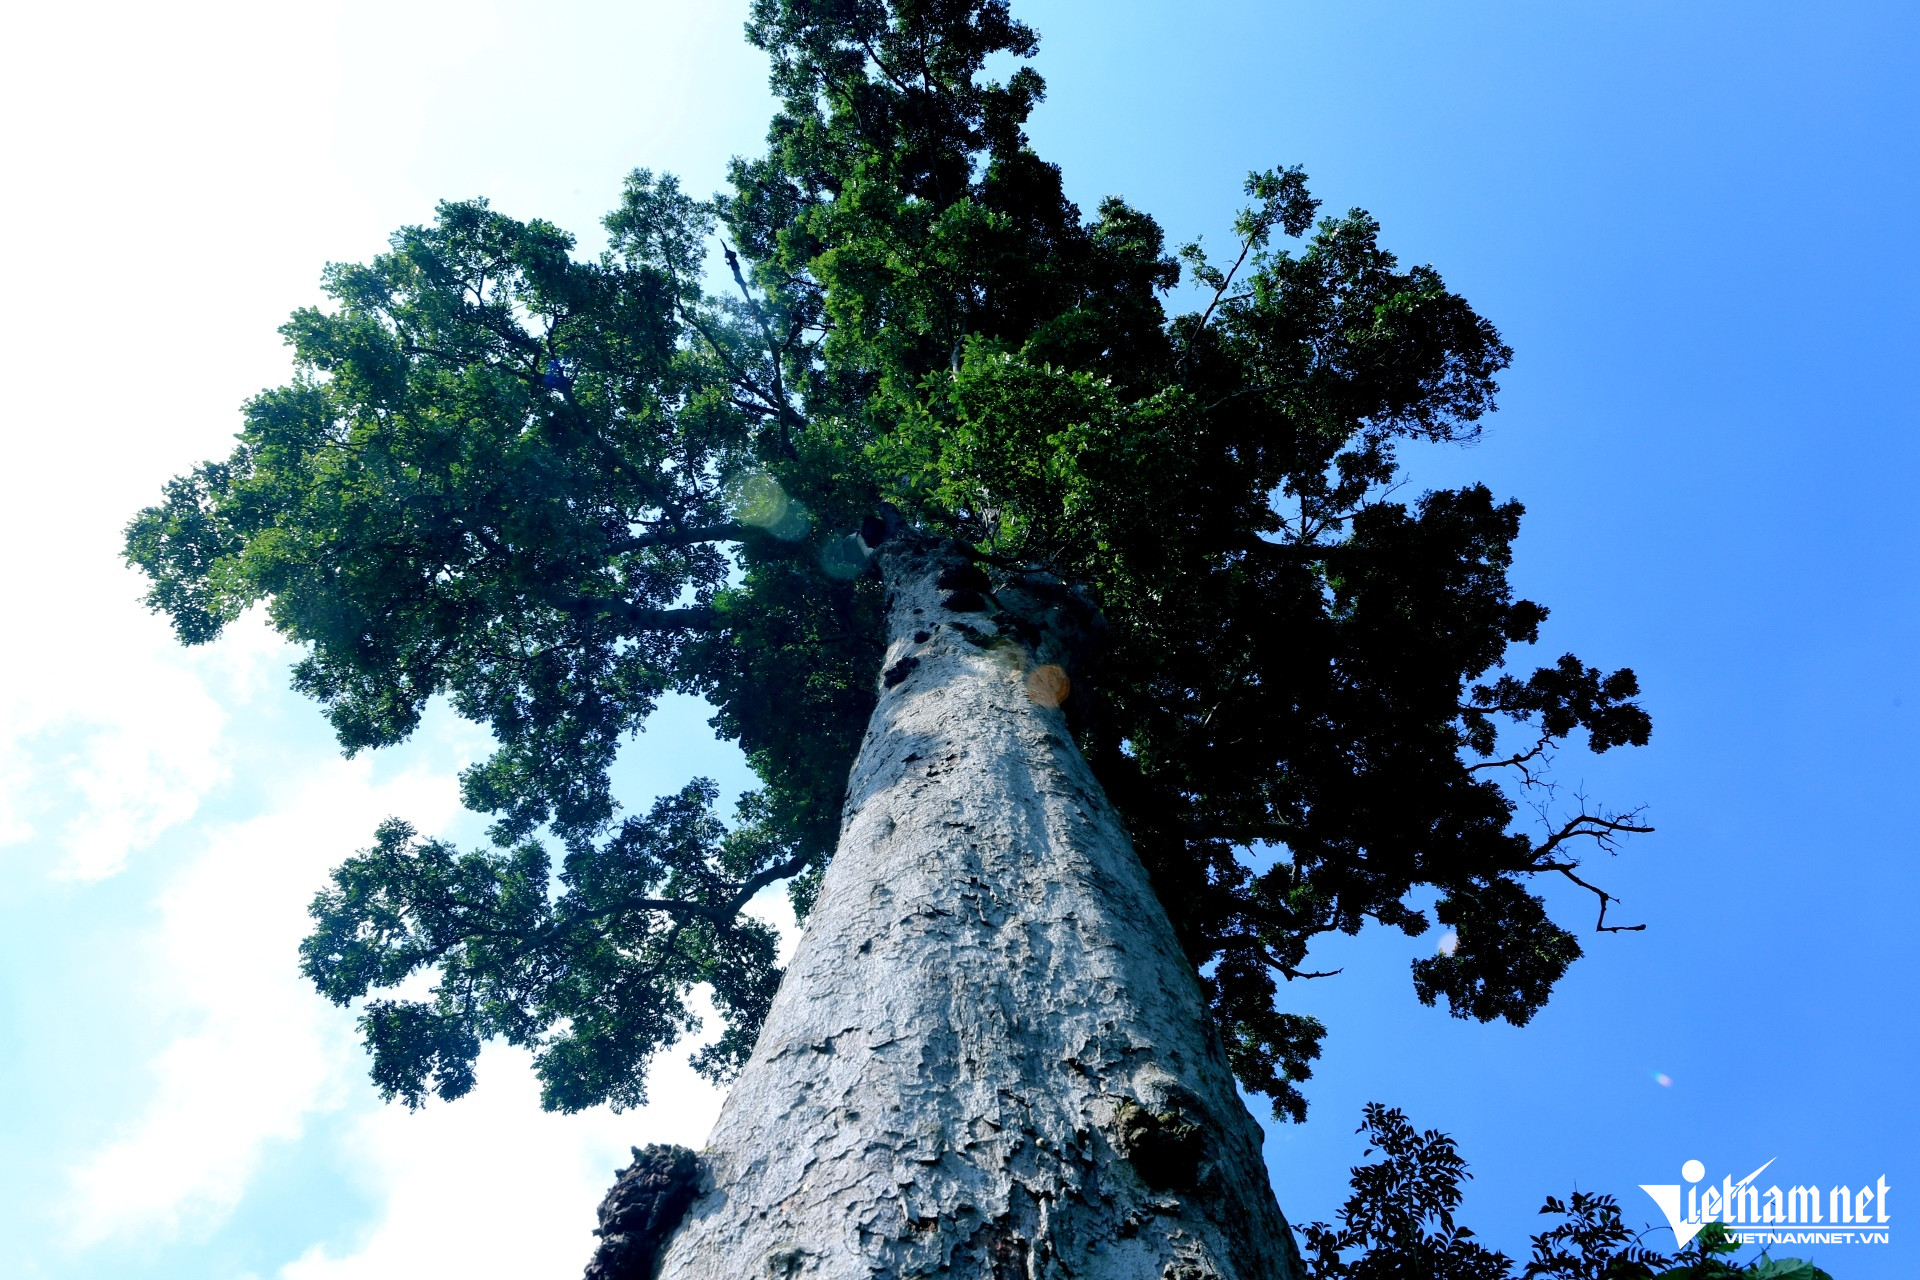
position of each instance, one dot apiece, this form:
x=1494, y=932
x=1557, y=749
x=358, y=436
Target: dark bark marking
x=1165, y=1149
x=967, y=577
x=964, y=601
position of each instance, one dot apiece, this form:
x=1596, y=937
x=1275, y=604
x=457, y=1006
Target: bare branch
x=1606, y=899
x=1291, y=973
x=1599, y=827
x=1246, y=247
x=1519, y=761
x=1603, y=830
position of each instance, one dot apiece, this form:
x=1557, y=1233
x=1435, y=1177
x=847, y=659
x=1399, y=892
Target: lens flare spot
x=758, y=500
x=1449, y=943
x=793, y=526
x=844, y=558
x=1048, y=685
x=1662, y=1079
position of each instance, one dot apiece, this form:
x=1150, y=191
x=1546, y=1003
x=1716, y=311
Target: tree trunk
x=989, y=1057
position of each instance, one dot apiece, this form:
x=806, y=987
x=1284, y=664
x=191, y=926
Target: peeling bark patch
x=1189, y=1269
x=788, y=1262
x=641, y=1210
x=900, y=671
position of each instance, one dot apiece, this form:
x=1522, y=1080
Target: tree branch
x=729, y=532
x=721, y=914
x=638, y=618
x=774, y=351
x=1603, y=830
x=1246, y=247
x=1519, y=760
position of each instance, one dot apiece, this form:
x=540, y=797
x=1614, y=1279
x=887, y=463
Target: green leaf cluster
x=593, y=980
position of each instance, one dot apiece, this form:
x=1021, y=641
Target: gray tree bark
x=989, y=1057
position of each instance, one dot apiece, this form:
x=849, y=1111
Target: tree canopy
x=552, y=487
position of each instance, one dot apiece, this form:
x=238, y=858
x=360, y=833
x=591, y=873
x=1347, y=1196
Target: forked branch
x=1604, y=830
x=1520, y=760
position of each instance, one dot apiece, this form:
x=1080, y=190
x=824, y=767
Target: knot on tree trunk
x=641, y=1210
x=1164, y=1148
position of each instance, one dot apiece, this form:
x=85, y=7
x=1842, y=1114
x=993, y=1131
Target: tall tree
x=1093, y=638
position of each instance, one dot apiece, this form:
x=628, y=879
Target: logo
x=1852, y=1215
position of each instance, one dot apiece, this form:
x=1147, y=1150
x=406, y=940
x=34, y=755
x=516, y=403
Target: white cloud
x=263, y=1052
x=453, y=1174
x=168, y=227
x=263, y=1059
x=190, y=168
x=115, y=734
x=103, y=748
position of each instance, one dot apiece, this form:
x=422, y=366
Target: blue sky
x=1694, y=222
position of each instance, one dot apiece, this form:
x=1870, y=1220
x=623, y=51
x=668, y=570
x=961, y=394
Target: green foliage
x=551, y=489
x=481, y=484
x=792, y=671
x=1400, y=1215
x=1592, y=1243
x=1399, y=1222
x=593, y=979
